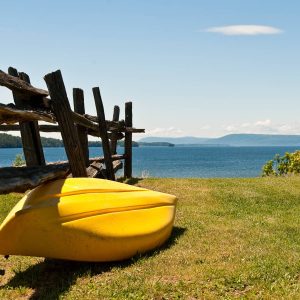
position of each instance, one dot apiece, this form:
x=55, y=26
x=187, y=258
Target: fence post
x=63, y=114
x=78, y=100
x=128, y=141
x=31, y=140
x=103, y=133
x=114, y=136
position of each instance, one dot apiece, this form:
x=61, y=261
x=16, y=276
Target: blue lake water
x=180, y=161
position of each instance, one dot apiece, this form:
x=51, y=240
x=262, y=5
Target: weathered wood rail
x=32, y=105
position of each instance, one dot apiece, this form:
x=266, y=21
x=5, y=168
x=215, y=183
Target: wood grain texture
x=78, y=99
x=103, y=133
x=9, y=115
x=63, y=113
x=114, y=135
x=128, y=141
x=20, y=179
x=15, y=84
x=31, y=140
x=96, y=170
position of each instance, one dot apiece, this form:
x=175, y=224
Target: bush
x=19, y=161
x=287, y=164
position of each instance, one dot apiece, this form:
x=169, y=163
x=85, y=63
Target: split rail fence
x=32, y=105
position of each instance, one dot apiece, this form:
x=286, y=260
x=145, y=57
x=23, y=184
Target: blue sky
x=185, y=70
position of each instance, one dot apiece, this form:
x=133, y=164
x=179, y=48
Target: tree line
x=11, y=141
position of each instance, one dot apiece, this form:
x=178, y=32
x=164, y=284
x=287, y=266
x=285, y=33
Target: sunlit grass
x=233, y=238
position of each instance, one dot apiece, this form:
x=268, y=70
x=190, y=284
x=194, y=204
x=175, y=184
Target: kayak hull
x=87, y=220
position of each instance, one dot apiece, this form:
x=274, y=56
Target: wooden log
x=49, y=128
x=47, y=103
x=24, y=77
x=99, y=159
x=93, y=127
x=55, y=128
x=38, y=143
x=42, y=108
x=117, y=165
x=134, y=130
x=43, y=128
x=103, y=133
x=95, y=170
x=90, y=122
x=110, y=125
x=128, y=141
x=91, y=118
x=114, y=124
x=116, y=114
x=31, y=140
x=82, y=120
x=36, y=138
x=15, y=84
x=114, y=135
x=78, y=100
x=63, y=114
x=11, y=115
x=20, y=179
x=102, y=159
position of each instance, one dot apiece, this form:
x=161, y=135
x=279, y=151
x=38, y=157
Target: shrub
x=287, y=164
x=19, y=161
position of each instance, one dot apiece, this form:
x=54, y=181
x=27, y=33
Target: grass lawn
x=233, y=238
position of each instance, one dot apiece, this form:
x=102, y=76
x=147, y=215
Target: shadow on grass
x=51, y=278
x=172, y=240
x=131, y=181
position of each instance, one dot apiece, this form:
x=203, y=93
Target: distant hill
x=237, y=140
x=259, y=140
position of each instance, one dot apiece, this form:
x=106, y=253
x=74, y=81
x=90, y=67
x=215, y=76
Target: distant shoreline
x=178, y=146
x=231, y=140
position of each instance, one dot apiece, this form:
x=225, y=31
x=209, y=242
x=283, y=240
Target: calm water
x=180, y=161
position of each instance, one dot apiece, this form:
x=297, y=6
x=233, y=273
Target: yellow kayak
x=87, y=219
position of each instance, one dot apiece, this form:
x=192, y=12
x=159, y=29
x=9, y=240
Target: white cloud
x=263, y=123
x=205, y=127
x=231, y=128
x=245, y=30
x=245, y=125
x=263, y=127
x=164, y=132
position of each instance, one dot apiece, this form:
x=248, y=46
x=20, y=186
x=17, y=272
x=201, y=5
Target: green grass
x=233, y=238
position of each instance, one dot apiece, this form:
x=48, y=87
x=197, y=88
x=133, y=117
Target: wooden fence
x=32, y=105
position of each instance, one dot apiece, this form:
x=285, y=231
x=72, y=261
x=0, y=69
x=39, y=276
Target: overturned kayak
x=87, y=219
